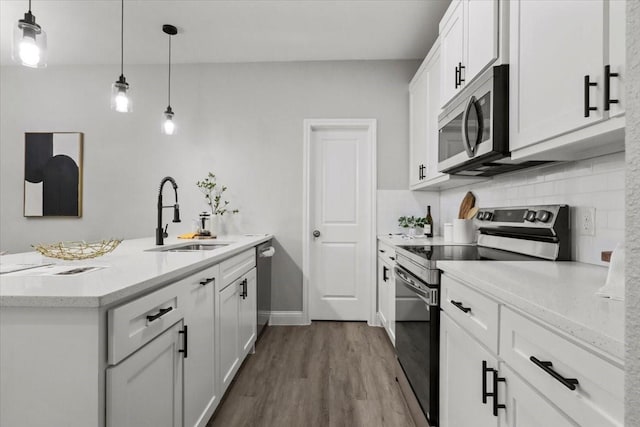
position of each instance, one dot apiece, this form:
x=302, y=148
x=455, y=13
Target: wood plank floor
x=327, y=374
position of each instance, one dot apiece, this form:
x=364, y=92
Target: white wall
x=241, y=121
x=632, y=247
x=598, y=183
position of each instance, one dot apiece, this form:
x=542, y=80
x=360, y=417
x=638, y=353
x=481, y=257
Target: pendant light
x=29, y=42
x=120, y=92
x=169, y=126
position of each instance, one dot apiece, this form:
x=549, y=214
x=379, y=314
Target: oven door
x=417, y=339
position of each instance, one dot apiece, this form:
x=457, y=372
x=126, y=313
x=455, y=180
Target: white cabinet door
x=553, y=46
x=433, y=110
x=200, y=397
x=451, y=42
x=228, y=329
x=527, y=408
x=461, y=379
x=383, y=300
x=481, y=36
x=617, y=57
x=146, y=388
x=418, y=99
x=248, y=312
x=391, y=305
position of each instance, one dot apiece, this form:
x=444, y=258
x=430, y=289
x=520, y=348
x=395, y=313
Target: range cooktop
x=428, y=255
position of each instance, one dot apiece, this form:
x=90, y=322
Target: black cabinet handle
x=207, y=281
x=457, y=77
x=381, y=251
x=392, y=258
x=159, y=314
x=587, y=87
x=460, y=68
x=185, y=341
x=496, y=405
x=460, y=306
x=243, y=293
x=485, y=393
x=547, y=366
x=385, y=270
x=607, y=87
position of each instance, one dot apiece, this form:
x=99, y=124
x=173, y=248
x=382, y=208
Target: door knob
x=316, y=233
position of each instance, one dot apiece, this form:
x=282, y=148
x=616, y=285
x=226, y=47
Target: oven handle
x=430, y=298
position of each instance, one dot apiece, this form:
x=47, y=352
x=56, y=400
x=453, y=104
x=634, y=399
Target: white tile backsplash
x=597, y=183
x=393, y=204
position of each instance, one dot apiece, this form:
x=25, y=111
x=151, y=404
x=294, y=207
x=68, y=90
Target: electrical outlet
x=587, y=221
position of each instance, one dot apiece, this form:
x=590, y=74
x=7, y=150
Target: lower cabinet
x=466, y=379
x=386, y=297
x=146, y=388
x=200, y=394
x=228, y=326
x=237, y=317
x=248, y=314
x=527, y=408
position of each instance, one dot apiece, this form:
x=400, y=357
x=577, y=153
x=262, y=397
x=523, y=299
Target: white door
x=227, y=305
x=340, y=232
x=418, y=101
x=452, y=50
x=146, y=388
x=481, y=36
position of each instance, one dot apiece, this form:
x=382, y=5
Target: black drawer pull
x=485, y=370
x=587, y=87
x=392, y=258
x=382, y=251
x=185, y=341
x=607, y=87
x=207, y=281
x=385, y=271
x=496, y=405
x=460, y=306
x=547, y=366
x=159, y=314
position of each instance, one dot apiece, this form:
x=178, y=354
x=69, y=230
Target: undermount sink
x=191, y=247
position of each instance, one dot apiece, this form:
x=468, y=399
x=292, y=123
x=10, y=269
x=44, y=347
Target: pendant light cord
x=169, y=70
x=121, y=37
x=29, y=6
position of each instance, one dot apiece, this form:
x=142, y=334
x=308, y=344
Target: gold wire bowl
x=77, y=250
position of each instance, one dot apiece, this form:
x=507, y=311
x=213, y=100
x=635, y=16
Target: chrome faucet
x=160, y=233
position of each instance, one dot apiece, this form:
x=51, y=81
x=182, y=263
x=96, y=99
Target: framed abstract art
x=53, y=174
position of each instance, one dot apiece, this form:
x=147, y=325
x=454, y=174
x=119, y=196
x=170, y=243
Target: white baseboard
x=282, y=318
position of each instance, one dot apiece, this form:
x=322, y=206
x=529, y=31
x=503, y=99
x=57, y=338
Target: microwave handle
x=465, y=127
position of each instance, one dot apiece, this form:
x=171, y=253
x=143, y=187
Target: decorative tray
x=77, y=250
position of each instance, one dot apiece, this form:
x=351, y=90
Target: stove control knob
x=543, y=216
x=530, y=216
x=488, y=216
x=480, y=215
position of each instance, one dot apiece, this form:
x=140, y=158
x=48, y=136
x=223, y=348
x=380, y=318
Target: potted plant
x=415, y=225
x=213, y=197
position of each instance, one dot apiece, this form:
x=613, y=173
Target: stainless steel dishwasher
x=264, y=253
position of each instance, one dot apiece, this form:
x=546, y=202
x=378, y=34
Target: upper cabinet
x=469, y=34
x=567, y=69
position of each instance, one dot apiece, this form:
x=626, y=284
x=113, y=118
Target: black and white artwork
x=53, y=174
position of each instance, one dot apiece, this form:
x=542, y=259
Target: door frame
x=369, y=125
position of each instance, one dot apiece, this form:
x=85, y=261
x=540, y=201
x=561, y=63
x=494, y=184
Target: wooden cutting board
x=468, y=202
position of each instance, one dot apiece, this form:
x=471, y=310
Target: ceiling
x=88, y=32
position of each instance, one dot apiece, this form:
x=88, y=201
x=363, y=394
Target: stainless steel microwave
x=473, y=137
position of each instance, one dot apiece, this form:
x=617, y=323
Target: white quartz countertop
x=129, y=270
x=561, y=294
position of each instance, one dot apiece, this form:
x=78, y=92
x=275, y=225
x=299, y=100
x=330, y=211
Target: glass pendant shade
x=168, y=126
x=121, y=96
x=29, y=43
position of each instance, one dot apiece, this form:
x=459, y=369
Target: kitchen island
x=78, y=350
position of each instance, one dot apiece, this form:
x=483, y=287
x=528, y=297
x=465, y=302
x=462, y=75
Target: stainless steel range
x=504, y=234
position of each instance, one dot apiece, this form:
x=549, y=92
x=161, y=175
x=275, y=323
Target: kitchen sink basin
x=191, y=247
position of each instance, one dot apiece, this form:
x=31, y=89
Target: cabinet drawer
x=237, y=265
x=598, y=396
x=387, y=253
x=133, y=324
x=475, y=312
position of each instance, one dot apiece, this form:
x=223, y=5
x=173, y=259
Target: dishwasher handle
x=267, y=252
